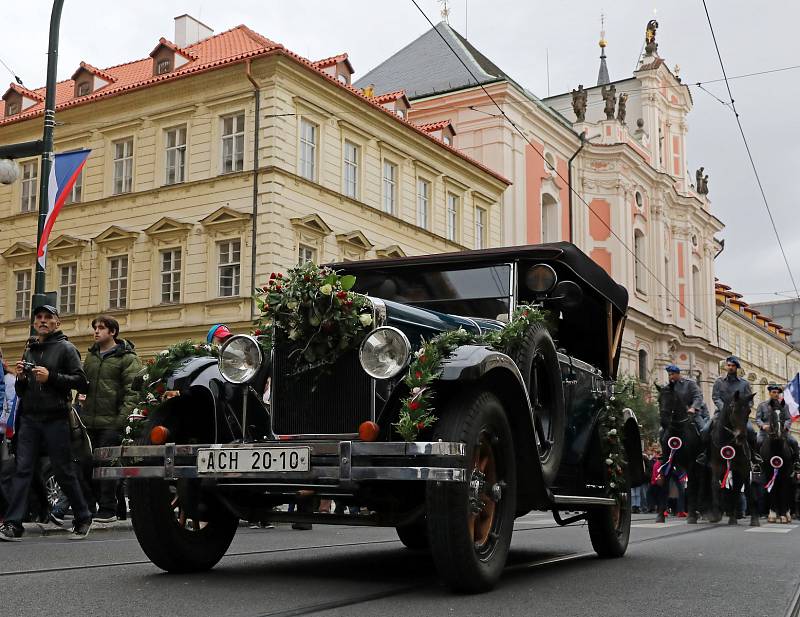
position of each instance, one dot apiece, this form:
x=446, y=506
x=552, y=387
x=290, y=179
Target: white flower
x=150, y=397
x=326, y=289
x=612, y=485
x=146, y=377
x=294, y=334
x=135, y=412
x=128, y=430
x=416, y=391
x=163, y=352
x=609, y=461
x=365, y=319
x=291, y=305
x=613, y=431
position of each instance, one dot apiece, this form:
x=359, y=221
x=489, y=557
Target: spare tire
x=538, y=363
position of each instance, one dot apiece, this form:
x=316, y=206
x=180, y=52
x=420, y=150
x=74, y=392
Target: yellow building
x=763, y=346
x=213, y=163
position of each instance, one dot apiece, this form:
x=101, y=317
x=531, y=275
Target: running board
x=579, y=500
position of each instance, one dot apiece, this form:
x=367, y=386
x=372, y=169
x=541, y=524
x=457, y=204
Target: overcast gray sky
x=516, y=35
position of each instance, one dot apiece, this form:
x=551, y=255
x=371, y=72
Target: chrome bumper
x=332, y=462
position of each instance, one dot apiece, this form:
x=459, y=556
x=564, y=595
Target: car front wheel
x=610, y=528
x=470, y=523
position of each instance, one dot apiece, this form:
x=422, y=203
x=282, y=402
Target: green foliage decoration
x=610, y=426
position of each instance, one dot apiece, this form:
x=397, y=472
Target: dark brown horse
x=777, y=468
x=730, y=461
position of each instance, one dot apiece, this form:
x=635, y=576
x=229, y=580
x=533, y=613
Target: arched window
x=640, y=256
x=697, y=291
x=643, y=370
x=549, y=219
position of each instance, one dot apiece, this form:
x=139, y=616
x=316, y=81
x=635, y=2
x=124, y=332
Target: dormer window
x=164, y=66
x=12, y=108
x=89, y=79
x=83, y=88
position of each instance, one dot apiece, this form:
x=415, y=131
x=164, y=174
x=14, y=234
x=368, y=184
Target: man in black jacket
x=45, y=391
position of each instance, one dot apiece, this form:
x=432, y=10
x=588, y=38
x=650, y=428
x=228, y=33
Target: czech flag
x=63, y=173
x=791, y=396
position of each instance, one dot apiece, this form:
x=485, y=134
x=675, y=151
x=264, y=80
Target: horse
x=681, y=431
x=730, y=461
x=777, y=453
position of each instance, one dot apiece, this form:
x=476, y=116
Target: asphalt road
x=672, y=570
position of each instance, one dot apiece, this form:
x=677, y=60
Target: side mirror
x=568, y=293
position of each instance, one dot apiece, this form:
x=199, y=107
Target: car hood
x=418, y=323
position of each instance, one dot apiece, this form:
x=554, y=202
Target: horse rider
x=764, y=412
x=687, y=393
x=724, y=390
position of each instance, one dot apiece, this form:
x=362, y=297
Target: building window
x=67, y=288
x=176, y=155
x=639, y=251
x=308, y=149
x=22, y=295
x=171, y=276
x=389, y=187
x=667, y=284
x=123, y=166
x=306, y=254
x=549, y=218
x=350, y=170
x=480, y=228
x=639, y=200
x=118, y=282
x=229, y=267
x=697, y=290
x=84, y=88
x=233, y=143
x=163, y=66
x=643, y=369
x=76, y=192
x=423, y=199
x=452, y=217
x=12, y=108
x=30, y=179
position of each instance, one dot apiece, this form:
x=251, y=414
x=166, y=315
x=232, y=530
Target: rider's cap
x=734, y=360
x=219, y=331
x=672, y=368
x=774, y=386
x=49, y=308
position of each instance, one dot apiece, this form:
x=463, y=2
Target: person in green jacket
x=110, y=368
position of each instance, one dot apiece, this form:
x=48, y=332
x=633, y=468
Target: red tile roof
x=333, y=60
x=389, y=97
x=436, y=126
x=24, y=92
x=85, y=66
x=162, y=42
x=235, y=45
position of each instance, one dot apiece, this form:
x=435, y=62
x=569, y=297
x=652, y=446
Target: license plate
x=245, y=460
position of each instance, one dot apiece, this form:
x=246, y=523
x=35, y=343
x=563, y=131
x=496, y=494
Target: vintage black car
x=514, y=434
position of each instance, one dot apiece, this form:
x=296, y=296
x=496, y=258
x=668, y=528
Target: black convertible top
x=564, y=253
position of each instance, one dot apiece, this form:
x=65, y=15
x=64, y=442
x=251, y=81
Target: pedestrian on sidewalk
x=110, y=368
x=45, y=378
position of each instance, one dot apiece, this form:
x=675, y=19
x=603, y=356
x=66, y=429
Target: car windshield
x=474, y=292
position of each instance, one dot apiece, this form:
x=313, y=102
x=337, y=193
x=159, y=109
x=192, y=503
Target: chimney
x=188, y=30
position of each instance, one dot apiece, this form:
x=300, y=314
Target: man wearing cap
x=688, y=394
x=45, y=393
x=726, y=387
x=764, y=412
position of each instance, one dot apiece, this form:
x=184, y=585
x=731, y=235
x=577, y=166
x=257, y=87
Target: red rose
x=151, y=362
x=258, y=332
x=279, y=275
x=145, y=411
x=422, y=359
x=272, y=276
x=277, y=288
x=160, y=389
x=341, y=295
x=413, y=405
x=418, y=374
x=420, y=426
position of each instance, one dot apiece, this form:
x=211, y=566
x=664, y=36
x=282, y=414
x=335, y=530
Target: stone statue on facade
x=705, y=185
x=621, y=104
x=609, y=94
x=701, y=180
x=650, y=45
x=579, y=103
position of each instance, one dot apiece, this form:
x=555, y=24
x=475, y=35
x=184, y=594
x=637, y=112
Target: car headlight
x=384, y=353
x=240, y=358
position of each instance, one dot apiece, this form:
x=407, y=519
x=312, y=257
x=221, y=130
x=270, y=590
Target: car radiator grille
x=335, y=402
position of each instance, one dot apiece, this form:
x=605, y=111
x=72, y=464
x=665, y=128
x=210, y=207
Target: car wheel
x=610, y=528
x=538, y=364
x=470, y=523
x=172, y=539
x=414, y=535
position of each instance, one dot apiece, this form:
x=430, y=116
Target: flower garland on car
x=151, y=383
x=314, y=307
x=612, y=448
x=416, y=410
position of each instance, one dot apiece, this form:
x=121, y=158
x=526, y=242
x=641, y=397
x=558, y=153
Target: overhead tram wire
x=749, y=153
x=16, y=77
x=563, y=179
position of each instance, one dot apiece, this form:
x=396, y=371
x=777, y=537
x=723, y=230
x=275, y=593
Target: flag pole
x=47, y=146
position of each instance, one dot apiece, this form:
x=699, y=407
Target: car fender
x=501, y=375
x=201, y=377
x=632, y=440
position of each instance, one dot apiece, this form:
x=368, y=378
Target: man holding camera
x=47, y=374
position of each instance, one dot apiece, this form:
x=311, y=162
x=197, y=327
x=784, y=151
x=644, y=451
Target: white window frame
x=118, y=271
x=423, y=202
x=309, y=140
x=390, y=176
x=451, y=217
x=232, y=140
x=306, y=253
x=175, y=155
x=170, y=264
x=551, y=212
x=76, y=192
x=481, y=221
x=697, y=292
x=229, y=266
x=122, y=179
x=68, y=288
x=23, y=280
x=163, y=66
x=350, y=165
x=639, y=258
x=29, y=189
